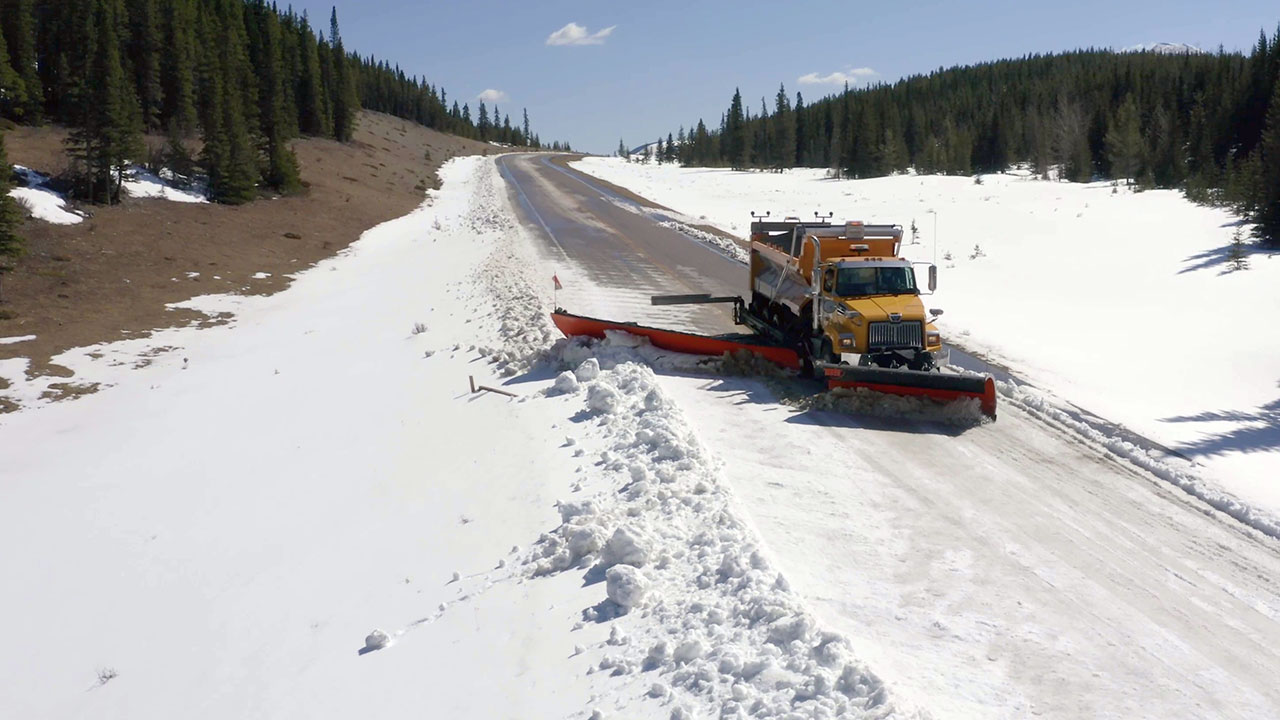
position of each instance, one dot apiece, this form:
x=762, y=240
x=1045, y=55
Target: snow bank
x=1023, y=282
x=142, y=183
x=718, y=627
x=41, y=202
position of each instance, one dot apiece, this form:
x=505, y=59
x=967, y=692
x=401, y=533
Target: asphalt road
x=1008, y=570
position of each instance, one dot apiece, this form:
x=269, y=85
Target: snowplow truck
x=842, y=294
x=836, y=302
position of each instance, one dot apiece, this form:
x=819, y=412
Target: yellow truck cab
x=843, y=293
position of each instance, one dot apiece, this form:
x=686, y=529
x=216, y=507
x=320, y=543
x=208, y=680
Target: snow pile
x=142, y=183
x=745, y=363
x=501, y=286
x=620, y=347
x=964, y=412
x=1019, y=288
x=705, y=612
x=42, y=202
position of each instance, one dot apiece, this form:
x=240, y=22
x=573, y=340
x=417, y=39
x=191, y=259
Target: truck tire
x=827, y=353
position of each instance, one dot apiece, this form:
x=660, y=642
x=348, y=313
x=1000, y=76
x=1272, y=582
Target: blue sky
x=666, y=64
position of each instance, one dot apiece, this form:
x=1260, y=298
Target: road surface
x=1007, y=570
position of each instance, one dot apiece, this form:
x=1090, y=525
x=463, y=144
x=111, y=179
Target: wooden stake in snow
x=484, y=388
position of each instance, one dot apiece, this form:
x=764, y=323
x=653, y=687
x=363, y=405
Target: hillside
x=114, y=274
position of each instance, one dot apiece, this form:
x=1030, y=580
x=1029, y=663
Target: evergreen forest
x=1207, y=123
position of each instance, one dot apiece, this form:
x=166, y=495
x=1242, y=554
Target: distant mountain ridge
x=1165, y=48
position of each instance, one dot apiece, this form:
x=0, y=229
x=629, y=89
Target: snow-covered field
x=1119, y=302
x=306, y=513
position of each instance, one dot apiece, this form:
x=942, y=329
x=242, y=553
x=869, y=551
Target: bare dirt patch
x=111, y=276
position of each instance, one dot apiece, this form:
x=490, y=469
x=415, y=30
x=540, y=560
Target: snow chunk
x=570, y=509
x=603, y=398
x=625, y=547
x=689, y=650
x=589, y=370
x=376, y=640
x=584, y=541
x=565, y=384
x=626, y=586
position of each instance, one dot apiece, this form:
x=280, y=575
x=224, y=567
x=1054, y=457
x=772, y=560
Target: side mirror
x=933, y=278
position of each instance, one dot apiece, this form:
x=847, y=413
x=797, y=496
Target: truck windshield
x=855, y=281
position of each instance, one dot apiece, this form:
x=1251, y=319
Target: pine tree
x=144, y=56
x=784, y=131
x=802, y=132
x=737, y=151
x=1238, y=255
x=229, y=155
x=107, y=132
x=282, y=166
x=13, y=92
x=525, y=128
x=345, y=100
x=177, y=69
x=312, y=118
x=1268, y=219
x=23, y=90
x=1124, y=142
x=10, y=217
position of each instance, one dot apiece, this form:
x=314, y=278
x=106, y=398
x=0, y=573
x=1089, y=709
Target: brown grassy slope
x=113, y=274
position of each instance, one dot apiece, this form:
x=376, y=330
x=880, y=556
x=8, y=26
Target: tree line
x=1206, y=123
x=242, y=75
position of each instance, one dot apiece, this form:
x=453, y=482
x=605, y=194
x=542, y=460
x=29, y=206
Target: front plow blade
x=939, y=386
x=675, y=341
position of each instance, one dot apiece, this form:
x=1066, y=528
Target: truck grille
x=896, y=336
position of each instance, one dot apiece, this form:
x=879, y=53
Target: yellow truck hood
x=879, y=308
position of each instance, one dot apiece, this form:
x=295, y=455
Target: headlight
x=932, y=338
x=846, y=340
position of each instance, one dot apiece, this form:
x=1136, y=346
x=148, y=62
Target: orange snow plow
x=938, y=386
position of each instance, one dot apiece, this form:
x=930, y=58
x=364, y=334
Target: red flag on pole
x=556, y=281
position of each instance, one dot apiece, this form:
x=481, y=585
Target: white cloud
x=852, y=76
x=492, y=96
x=575, y=34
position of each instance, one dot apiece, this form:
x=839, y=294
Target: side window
x=829, y=280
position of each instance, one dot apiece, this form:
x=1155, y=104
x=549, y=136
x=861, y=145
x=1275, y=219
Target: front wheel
x=827, y=354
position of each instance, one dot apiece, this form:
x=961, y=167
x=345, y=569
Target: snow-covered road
x=221, y=526
x=1005, y=570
